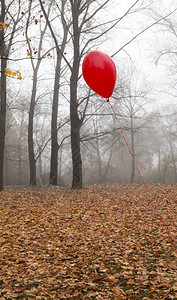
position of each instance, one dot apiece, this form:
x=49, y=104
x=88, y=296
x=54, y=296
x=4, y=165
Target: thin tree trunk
x=133, y=152
x=173, y=161
x=20, y=151
x=54, y=131
x=19, y=164
x=61, y=181
x=54, y=124
x=95, y=126
x=40, y=169
x=159, y=165
x=108, y=162
x=54, y=127
x=2, y=95
x=32, y=161
x=99, y=163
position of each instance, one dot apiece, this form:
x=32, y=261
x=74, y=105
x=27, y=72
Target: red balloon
x=99, y=72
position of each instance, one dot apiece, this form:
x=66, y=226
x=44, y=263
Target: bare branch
x=53, y=35
x=45, y=145
x=141, y=32
x=111, y=27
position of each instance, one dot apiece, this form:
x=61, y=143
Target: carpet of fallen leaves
x=101, y=242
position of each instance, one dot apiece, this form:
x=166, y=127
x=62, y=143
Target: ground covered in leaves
x=101, y=242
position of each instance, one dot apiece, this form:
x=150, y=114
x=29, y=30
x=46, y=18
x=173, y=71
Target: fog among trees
x=53, y=128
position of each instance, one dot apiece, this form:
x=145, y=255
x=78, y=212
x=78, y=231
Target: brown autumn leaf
x=56, y=242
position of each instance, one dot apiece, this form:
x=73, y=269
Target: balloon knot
x=108, y=100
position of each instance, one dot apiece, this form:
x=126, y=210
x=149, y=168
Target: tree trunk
x=159, y=165
x=2, y=120
x=133, y=152
x=99, y=163
x=32, y=161
x=7, y=170
x=75, y=135
x=40, y=170
x=75, y=121
x=54, y=124
x=20, y=151
x=2, y=95
x=108, y=162
x=173, y=161
x=60, y=180
x=54, y=131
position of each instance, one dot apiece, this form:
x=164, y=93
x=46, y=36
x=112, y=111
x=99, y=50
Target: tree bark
x=53, y=179
x=54, y=131
x=20, y=151
x=54, y=124
x=32, y=161
x=75, y=121
x=2, y=95
x=75, y=134
x=2, y=119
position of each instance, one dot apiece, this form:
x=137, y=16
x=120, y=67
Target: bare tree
x=60, y=48
x=2, y=93
x=35, y=68
x=6, y=42
x=54, y=125
x=170, y=131
x=83, y=13
x=132, y=110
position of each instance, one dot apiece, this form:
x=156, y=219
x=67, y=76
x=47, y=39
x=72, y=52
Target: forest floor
x=101, y=242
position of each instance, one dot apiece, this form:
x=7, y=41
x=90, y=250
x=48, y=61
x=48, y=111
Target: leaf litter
x=101, y=242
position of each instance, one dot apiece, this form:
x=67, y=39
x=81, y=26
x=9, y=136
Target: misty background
x=141, y=38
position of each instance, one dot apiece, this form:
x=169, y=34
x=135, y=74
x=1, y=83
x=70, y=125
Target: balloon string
x=152, y=200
